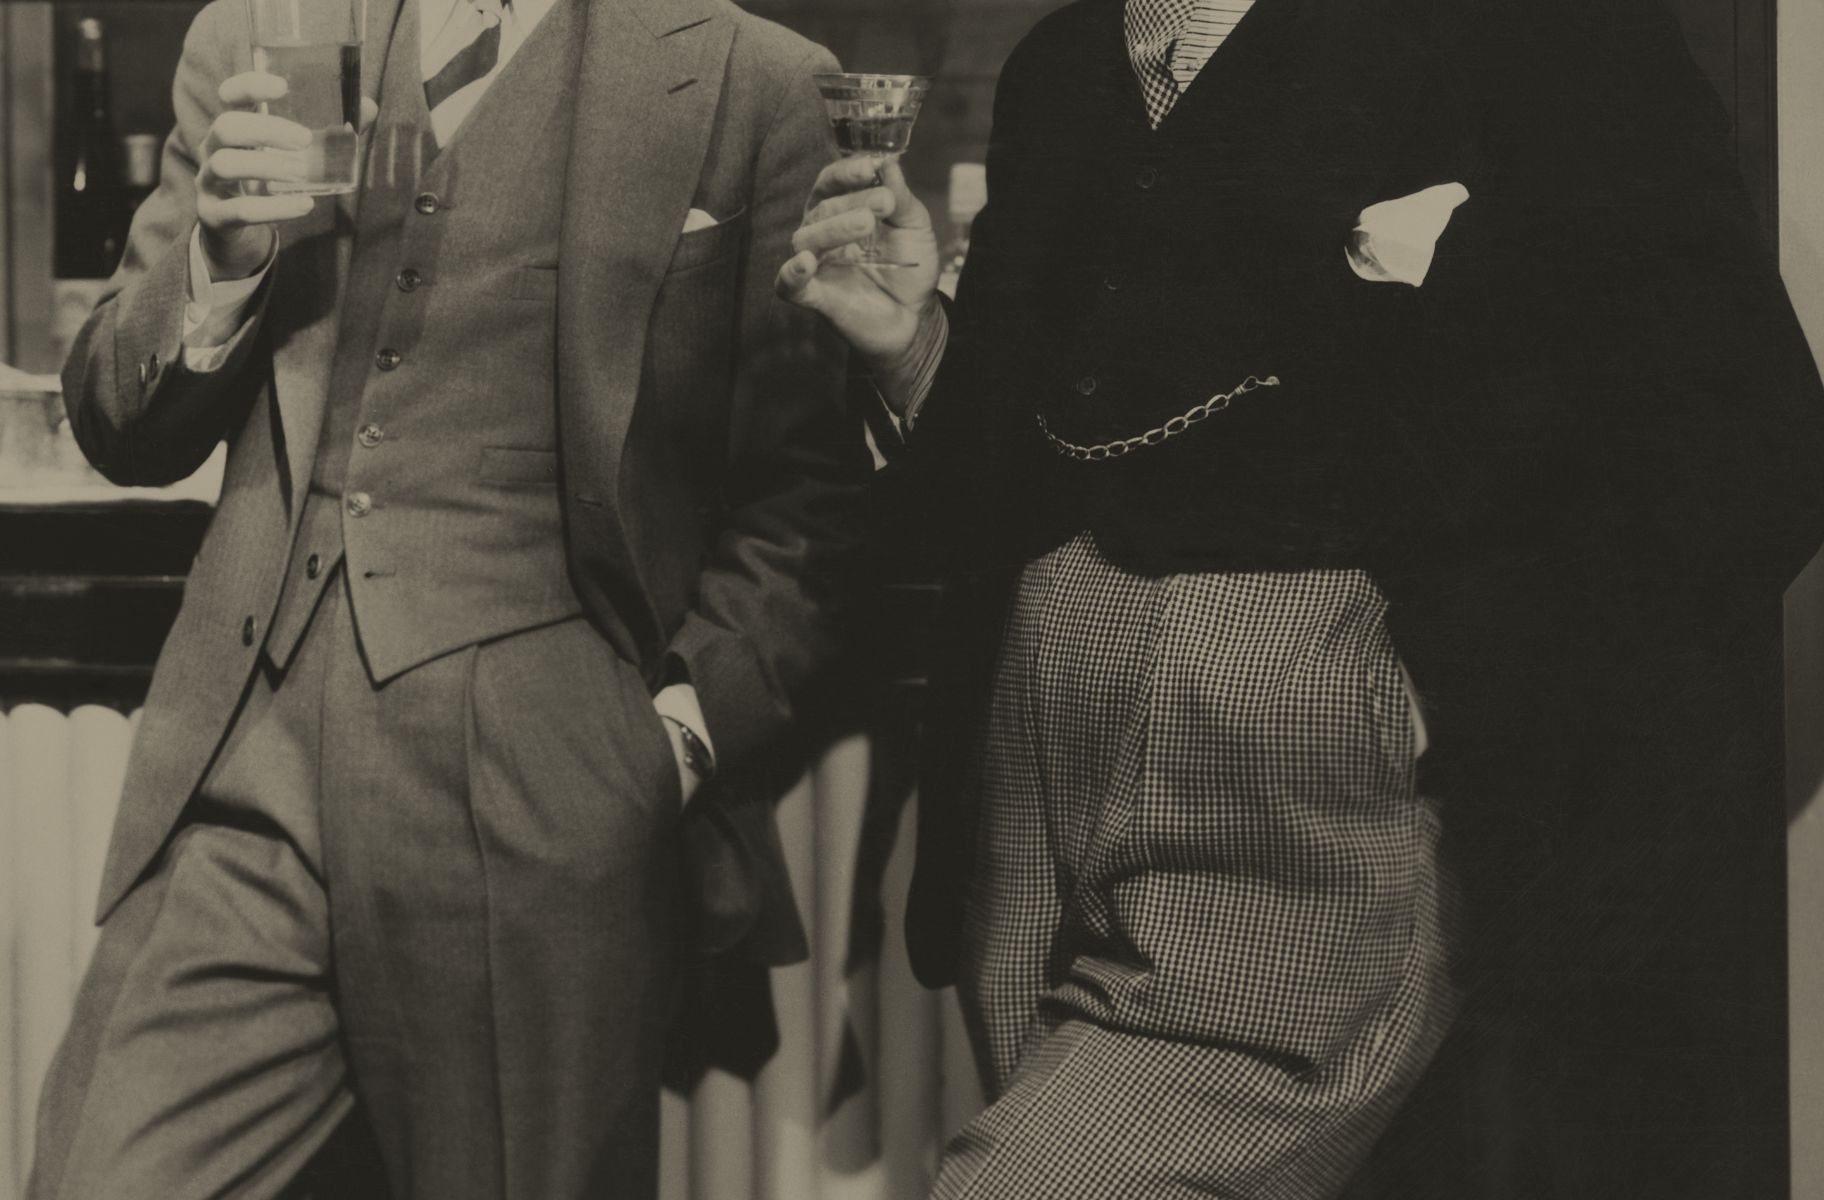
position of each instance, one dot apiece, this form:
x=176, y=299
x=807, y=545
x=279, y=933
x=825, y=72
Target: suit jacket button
x=1086, y=386
x=1147, y=177
x=388, y=358
x=247, y=632
x=426, y=203
x=359, y=504
x=313, y=566
x=408, y=280
x=371, y=435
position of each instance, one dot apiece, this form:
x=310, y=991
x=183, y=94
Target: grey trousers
x=450, y=896
x=1206, y=948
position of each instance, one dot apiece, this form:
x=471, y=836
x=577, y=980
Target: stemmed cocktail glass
x=873, y=115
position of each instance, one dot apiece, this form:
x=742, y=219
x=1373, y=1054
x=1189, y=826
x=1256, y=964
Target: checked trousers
x=1205, y=946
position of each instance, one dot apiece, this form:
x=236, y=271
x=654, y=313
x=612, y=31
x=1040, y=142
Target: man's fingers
x=877, y=200
x=846, y=175
x=797, y=281
x=234, y=212
x=247, y=130
x=233, y=167
x=250, y=88
x=839, y=230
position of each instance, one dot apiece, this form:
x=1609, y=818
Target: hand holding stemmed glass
x=866, y=254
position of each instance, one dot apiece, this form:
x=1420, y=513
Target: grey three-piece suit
x=508, y=453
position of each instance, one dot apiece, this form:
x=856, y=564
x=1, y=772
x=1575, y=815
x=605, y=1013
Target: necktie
x=468, y=47
x=1169, y=41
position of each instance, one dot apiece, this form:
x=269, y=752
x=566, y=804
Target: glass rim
x=356, y=11
x=871, y=80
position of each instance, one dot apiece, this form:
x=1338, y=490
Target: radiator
x=786, y=1136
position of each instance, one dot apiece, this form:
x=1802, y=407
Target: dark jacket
x=1582, y=461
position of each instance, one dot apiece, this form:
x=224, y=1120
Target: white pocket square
x=1394, y=240
x=697, y=219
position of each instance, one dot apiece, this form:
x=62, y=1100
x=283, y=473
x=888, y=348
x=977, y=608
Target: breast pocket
x=714, y=243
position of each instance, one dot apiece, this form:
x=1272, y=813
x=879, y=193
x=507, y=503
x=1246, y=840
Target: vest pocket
x=500, y=464
x=527, y=283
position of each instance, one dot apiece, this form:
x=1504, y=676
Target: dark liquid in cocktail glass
x=873, y=135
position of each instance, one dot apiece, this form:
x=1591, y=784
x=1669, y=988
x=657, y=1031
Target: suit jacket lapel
x=648, y=87
x=1307, y=90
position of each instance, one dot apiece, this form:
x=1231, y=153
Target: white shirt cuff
x=679, y=703
x=217, y=310
x=1394, y=241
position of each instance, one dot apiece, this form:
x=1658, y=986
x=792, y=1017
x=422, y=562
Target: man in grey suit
x=532, y=515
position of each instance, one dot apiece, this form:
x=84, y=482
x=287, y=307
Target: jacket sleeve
x=137, y=414
x=767, y=613
x=977, y=480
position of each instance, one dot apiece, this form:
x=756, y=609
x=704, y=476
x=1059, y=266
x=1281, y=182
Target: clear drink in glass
x=315, y=47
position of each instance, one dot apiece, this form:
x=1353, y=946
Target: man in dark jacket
x=1368, y=449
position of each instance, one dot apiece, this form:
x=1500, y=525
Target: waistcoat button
x=359, y=504
x=426, y=203
x=247, y=632
x=370, y=435
x=408, y=280
x=313, y=566
x=1086, y=386
x=388, y=358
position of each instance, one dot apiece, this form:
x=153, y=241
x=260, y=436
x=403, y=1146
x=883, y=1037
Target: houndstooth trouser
x=1204, y=953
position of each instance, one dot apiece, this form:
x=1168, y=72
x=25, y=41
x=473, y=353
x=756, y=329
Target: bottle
x=90, y=229
x=139, y=160
x=968, y=196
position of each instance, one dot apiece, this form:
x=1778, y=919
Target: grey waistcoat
x=435, y=480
